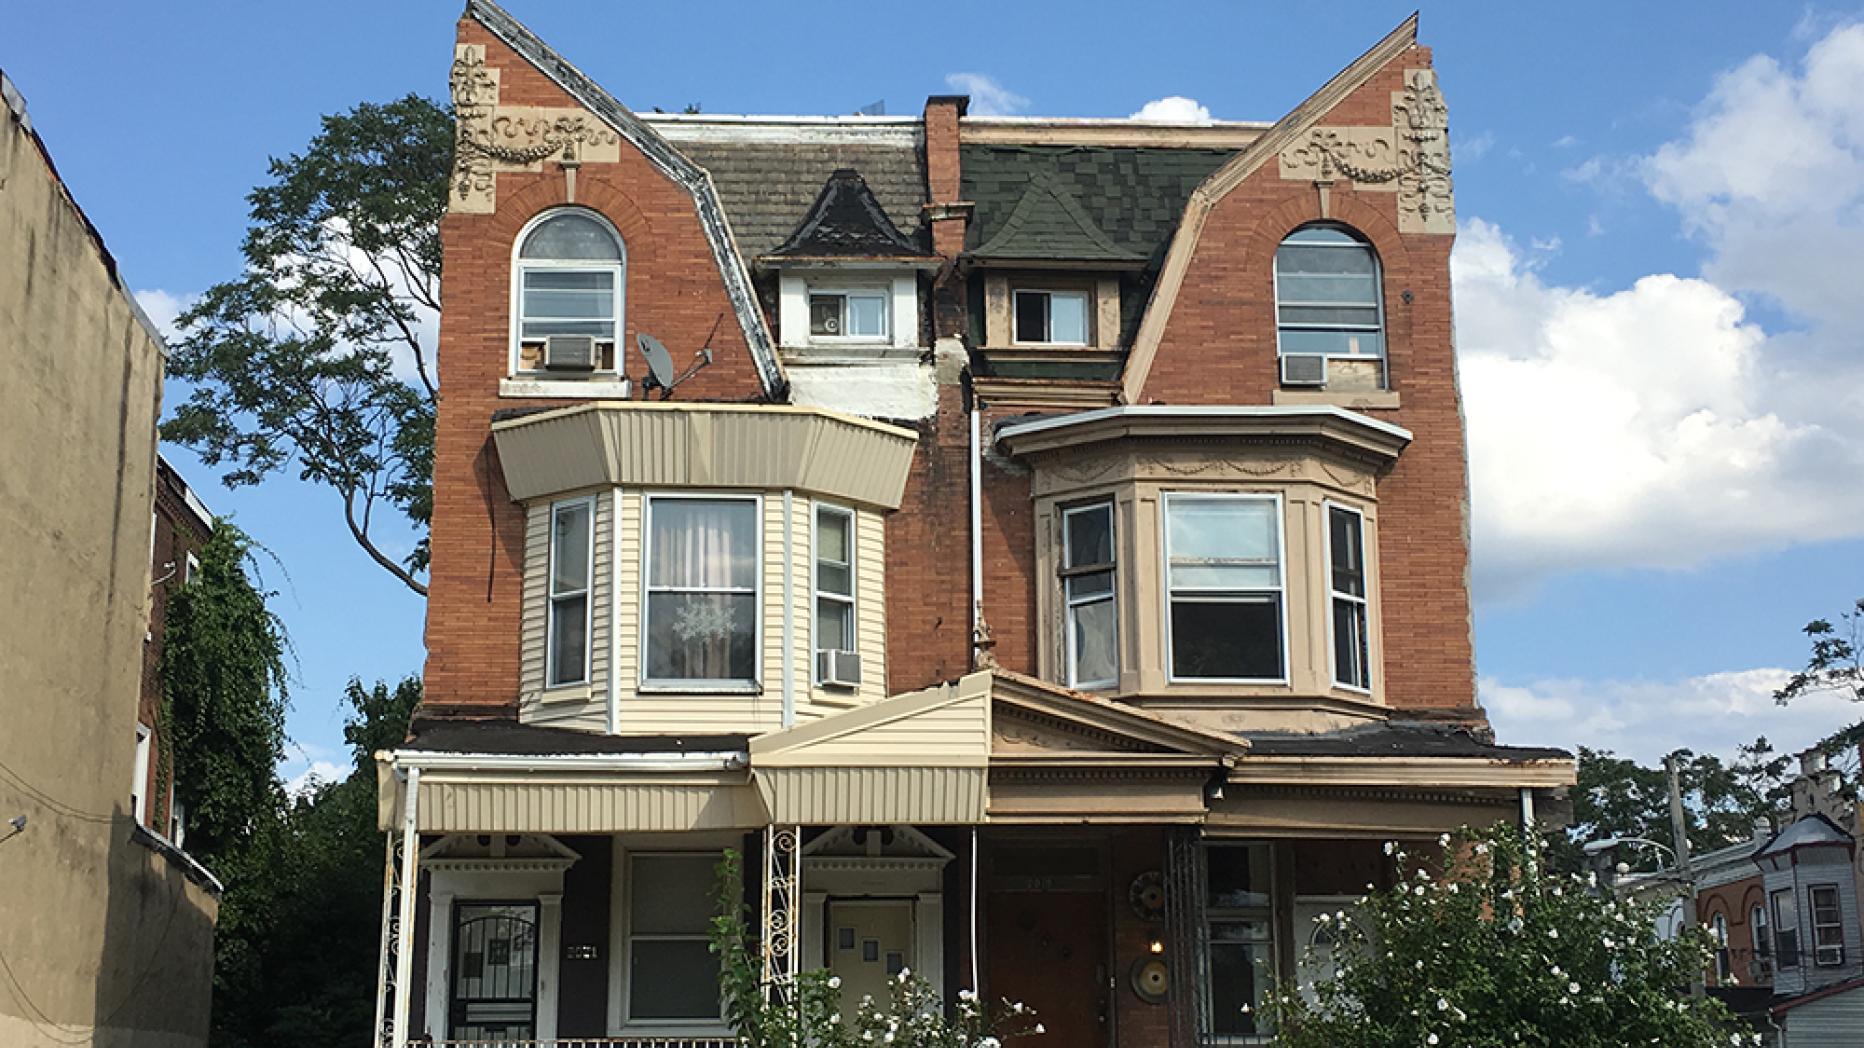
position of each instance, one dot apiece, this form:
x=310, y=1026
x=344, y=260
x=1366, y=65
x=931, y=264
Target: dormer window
x=568, y=281
x=849, y=316
x=1330, y=323
x=1051, y=318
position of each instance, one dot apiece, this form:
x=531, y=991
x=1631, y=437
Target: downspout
x=1527, y=809
x=614, y=616
x=410, y=884
x=977, y=533
x=789, y=610
x=976, y=986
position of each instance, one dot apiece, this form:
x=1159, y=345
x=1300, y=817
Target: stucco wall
x=99, y=932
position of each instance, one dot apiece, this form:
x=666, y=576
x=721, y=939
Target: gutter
x=1188, y=411
x=702, y=760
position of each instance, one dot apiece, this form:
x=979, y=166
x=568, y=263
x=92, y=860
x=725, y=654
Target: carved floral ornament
x=1411, y=158
x=1120, y=465
x=490, y=138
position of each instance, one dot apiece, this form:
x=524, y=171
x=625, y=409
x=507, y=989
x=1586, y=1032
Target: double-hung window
x=1092, y=623
x=1718, y=931
x=1828, y=926
x=851, y=316
x=572, y=557
x=1055, y=318
x=1762, y=968
x=702, y=588
x=569, y=274
x=1786, y=928
x=672, y=972
x=834, y=579
x=1239, y=931
x=1327, y=297
x=1346, y=571
x=1223, y=568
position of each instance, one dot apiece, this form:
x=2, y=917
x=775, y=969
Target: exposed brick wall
x=1735, y=902
x=1219, y=348
x=674, y=290
x=929, y=556
x=177, y=534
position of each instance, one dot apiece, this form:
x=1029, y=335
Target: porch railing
x=586, y=1042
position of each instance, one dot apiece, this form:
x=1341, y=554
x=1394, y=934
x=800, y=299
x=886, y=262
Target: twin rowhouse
x=1037, y=547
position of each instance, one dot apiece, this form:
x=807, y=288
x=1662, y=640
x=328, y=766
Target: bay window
x=572, y=556
x=834, y=579
x=1091, y=629
x=1346, y=573
x=1223, y=569
x=672, y=972
x=1239, y=932
x=702, y=585
x=1828, y=926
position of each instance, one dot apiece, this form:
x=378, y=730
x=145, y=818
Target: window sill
x=1352, y=400
x=678, y=687
x=557, y=388
x=565, y=694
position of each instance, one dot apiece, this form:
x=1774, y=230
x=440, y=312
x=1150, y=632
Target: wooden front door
x=1048, y=949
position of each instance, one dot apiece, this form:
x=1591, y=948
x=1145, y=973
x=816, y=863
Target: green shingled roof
x=1086, y=203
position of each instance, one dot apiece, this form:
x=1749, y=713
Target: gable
x=1020, y=732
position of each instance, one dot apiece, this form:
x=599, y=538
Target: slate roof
x=769, y=175
x=1814, y=829
x=435, y=735
x=847, y=222
x=1133, y=196
x=1049, y=223
x=1394, y=739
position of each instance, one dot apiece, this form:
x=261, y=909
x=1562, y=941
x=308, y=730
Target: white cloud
x=1174, y=109
x=315, y=774
x=988, y=98
x=163, y=307
x=1475, y=147
x=1565, y=142
x=1645, y=719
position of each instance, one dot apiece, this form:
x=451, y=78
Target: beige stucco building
x=106, y=929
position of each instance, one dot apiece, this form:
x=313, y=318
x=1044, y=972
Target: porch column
x=815, y=918
x=549, y=959
x=407, y=888
x=929, y=939
x=439, y=928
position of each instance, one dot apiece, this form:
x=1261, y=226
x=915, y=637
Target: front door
x=870, y=941
x=494, y=971
x=1046, y=946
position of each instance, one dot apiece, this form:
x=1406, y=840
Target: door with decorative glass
x=494, y=972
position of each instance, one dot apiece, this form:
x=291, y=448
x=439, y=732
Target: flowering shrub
x=1496, y=950
x=811, y=1015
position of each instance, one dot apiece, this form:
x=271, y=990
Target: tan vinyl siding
x=581, y=706
x=528, y=806
x=830, y=796
x=870, y=614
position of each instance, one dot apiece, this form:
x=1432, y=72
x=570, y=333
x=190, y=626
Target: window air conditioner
x=570, y=353
x=1303, y=371
x=838, y=668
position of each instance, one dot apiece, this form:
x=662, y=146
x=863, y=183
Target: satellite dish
x=660, y=370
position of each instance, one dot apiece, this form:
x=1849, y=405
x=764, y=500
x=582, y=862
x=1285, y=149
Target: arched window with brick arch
x=568, y=287
x=1329, y=310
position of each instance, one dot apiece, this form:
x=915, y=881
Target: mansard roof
x=846, y=221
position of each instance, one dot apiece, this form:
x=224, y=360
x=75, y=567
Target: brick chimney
x=947, y=214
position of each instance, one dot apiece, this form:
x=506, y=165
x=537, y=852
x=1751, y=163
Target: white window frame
x=139, y=787
x=731, y=685
x=1070, y=603
x=1382, y=329
x=190, y=568
x=847, y=291
x=1281, y=590
x=629, y=1024
x=1333, y=595
x=1819, y=949
x=1760, y=934
x=1724, y=961
x=852, y=598
x=1780, y=927
x=551, y=596
x=1086, y=295
x=520, y=266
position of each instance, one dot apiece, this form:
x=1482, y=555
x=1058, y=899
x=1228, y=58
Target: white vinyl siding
x=567, y=631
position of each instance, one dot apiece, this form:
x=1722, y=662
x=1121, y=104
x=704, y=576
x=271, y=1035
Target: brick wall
x=674, y=290
x=177, y=534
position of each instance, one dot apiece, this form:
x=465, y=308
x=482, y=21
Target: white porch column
x=410, y=888
x=929, y=939
x=439, y=971
x=549, y=959
x=815, y=918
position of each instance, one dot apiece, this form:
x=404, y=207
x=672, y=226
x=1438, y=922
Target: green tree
x=312, y=358
x=1495, y=949
x=1617, y=797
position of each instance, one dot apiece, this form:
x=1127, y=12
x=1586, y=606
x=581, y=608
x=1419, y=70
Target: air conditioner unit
x=570, y=353
x=841, y=669
x=1303, y=371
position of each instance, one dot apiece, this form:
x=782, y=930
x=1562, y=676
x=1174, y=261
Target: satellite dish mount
x=661, y=374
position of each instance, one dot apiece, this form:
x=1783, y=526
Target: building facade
x=1039, y=547
x=106, y=927
x=178, y=531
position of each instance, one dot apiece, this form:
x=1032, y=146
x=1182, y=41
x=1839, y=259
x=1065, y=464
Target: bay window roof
x=1348, y=430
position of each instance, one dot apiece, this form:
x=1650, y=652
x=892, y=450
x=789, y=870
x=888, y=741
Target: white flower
x=1041, y=1029
x=834, y=982
x=1432, y=1039
x=1443, y=840
x=967, y=995
x=990, y=1042
x=905, y=974
x=1443, y=1004
x=1390, y=846
x=1572, y=987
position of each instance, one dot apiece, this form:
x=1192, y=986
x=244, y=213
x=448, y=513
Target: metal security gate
x=1185, y=931
x=494, y=972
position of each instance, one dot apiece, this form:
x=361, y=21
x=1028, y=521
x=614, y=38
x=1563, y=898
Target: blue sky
x=1658, y=207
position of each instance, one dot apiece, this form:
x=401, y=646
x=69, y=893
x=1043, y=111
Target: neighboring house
x=179, y=529
x=106, y=929
x=1049, y=568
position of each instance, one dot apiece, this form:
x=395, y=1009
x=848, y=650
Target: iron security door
x=494, y=971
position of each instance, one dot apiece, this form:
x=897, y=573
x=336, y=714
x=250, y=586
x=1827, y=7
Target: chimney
x=1816, y=788
x=1763, y=829
x=946, y=214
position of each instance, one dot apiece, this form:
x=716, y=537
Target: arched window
x=1718, y=930
x=568, y=280
x=1762, y=970
x=1329, y=317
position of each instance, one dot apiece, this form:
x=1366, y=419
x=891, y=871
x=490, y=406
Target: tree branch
x=369, y=547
